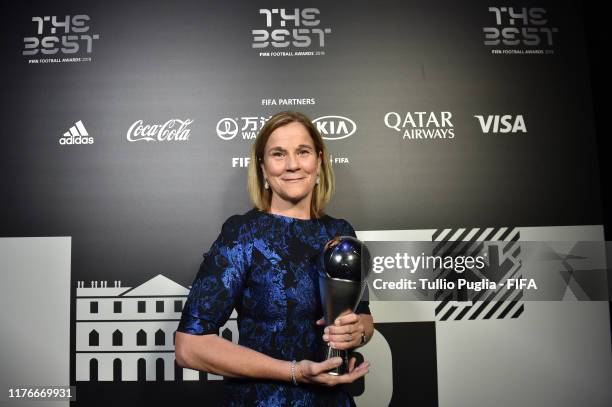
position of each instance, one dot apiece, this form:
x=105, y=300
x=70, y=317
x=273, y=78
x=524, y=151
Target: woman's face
x=291, y=163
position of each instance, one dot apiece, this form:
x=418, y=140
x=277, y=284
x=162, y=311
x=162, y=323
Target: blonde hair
x=262, y=197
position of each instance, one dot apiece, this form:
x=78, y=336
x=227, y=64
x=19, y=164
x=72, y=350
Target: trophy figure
x=345, y=265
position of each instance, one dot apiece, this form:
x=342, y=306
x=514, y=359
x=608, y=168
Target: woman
x=262, y=265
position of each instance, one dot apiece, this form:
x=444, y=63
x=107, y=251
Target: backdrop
x=127, y=128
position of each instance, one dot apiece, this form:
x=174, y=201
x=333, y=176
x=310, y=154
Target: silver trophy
x=345, y=263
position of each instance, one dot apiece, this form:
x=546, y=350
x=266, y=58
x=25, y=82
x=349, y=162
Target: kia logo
x=335, y=127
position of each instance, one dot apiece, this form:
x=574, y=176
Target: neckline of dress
x=288, y=218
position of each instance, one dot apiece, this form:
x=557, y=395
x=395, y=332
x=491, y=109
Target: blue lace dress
x=263, y=265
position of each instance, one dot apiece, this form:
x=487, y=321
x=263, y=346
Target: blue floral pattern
x=264, y=266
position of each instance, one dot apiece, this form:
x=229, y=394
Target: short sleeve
x=346, y=229
x=218, y=284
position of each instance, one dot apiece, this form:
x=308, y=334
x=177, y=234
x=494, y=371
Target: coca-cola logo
x=172, y=130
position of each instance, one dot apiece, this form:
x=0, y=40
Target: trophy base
x=343, y=368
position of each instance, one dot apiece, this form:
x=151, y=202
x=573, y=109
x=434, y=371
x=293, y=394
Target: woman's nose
x=292, y=162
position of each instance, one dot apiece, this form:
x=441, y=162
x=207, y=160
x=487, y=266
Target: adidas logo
x=76, y=135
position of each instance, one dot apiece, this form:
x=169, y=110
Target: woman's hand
x=346, y=333
x=311, y=372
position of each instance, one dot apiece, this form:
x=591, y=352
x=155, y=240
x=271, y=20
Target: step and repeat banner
x=127, y=132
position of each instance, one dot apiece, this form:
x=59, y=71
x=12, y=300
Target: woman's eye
x=303, y=152
x=277, y=154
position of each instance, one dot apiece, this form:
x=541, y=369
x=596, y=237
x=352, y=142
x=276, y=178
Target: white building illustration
x=127, y=334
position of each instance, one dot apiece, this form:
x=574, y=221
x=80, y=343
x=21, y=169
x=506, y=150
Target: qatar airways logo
x=524, y=30
x=287, y=28
x=172, y=130
x=421, y=125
